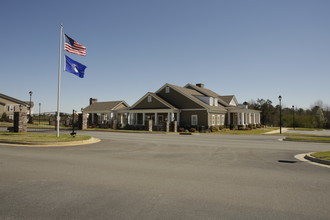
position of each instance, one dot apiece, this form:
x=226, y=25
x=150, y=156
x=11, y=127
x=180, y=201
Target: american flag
x=73, y=46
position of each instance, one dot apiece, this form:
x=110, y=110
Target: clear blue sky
x=248, y=48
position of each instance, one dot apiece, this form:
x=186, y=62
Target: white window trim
x=194, y=120
x=167, y=89
x=213, y=119
x=215, y=101
x=218, y=119
x=149, y=98
x=11, y=108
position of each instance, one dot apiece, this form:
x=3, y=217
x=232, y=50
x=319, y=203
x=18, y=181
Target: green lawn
x=306, y=129
x=253, y=131
x=309, y=138
x=39, y=137
x=322, y=155
x=225, y=131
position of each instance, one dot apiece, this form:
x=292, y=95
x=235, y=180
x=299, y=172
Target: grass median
x=309, y=138
x=322, y=155
x=39, y=137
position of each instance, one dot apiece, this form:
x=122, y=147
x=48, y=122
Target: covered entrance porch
x=242, y=118
x=154, y=119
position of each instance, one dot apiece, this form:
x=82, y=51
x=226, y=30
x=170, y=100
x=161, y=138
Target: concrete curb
x=316, y=160
x=313, y=141
x=301, y=157
x=92, y=140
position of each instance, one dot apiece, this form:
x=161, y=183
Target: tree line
x=318, y=116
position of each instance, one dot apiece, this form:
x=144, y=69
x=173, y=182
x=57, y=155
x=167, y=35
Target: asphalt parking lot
x=158, y=176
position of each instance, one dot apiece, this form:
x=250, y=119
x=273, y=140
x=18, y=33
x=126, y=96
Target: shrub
x=214, y=129
x=233, y=127
x=221, y=127
x=181, y=129
x=241, y=127
x=4, y=117
x=192, y=129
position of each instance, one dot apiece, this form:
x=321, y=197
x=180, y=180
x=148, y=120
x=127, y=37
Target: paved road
x=149, y=176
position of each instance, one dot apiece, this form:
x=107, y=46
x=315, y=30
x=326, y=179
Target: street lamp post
x=280, y=99
x=30, y=117
x=39, y=111
x=293, y=117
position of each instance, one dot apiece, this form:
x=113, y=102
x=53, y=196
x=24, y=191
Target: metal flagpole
x=59, y=83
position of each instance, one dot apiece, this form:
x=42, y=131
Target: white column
x=228, y=121
x=143, y=118
x=178, y=117
x=109, y=117
x=156, y=118
x=168, y=117
x=242, y=118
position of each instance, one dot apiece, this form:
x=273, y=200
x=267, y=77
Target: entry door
x=160, y=119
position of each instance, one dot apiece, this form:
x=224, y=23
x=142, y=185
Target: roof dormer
x=211, y=101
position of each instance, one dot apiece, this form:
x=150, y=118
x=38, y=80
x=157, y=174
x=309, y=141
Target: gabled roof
x=207, y=92
x=192, y=95
x=104, y=106
x=13, y=99
x=229, y=99
x=154, y=95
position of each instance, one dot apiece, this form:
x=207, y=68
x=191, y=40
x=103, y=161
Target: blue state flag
x=74, y=67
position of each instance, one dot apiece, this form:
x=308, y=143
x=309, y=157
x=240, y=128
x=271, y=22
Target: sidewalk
x=277, y=131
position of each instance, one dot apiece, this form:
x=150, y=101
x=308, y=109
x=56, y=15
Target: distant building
x=190, y=106
x=104, y=112
x=9, y=105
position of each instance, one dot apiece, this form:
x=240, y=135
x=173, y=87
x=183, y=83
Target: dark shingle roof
x=227, y=98
x=192, y=93
x=13, y=99
x=156, y=97
x=208, y=92
x=102, y=106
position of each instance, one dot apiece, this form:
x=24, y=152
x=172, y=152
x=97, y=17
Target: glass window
x=218, y=119
x=167, y=90
x=149, y=98
x=194, y=120
x=213, y=119
x=215, y=101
